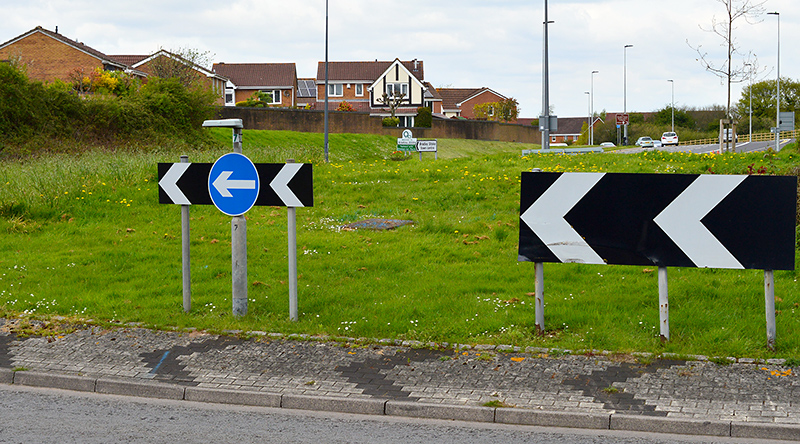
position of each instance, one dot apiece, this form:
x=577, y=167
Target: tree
x=763, y=95
x=393, y=102
x=682, y=118
x=424, y=117
x=181, y=64
x=504, y=110
x=749, y=10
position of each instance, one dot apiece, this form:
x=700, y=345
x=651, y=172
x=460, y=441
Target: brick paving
x=741, y=392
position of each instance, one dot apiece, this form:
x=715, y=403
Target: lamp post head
x=774, y=13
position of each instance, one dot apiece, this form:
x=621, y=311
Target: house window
x=335, y=90
x=359, y=89
x=275, y=94
x=395, y=89
x=229, y=97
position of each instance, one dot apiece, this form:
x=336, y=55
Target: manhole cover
x=376, y=224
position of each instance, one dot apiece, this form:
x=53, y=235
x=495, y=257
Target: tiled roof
x=451, y=97
x=260, y=75
x=74, y=43
x=570, y=125
x=129, y=60
x=364, y=71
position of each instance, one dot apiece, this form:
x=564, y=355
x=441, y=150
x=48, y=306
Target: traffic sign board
x=623, y=119
x=684, y=220
x=427, y=146
x=233, y=184
x=280, y=184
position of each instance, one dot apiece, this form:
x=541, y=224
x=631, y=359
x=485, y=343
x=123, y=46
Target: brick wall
x=313, y=121
x=48, y=59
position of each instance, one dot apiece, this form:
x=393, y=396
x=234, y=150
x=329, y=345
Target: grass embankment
x=84, y=237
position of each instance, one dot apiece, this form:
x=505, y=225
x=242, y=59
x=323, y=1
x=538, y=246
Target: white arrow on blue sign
x=233, y=184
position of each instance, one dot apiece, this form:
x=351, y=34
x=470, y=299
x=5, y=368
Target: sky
x=463, y=44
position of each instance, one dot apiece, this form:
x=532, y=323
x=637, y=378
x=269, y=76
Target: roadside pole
x=769, y=300
x=186, y=262
x=292, y=237
x=663, y=303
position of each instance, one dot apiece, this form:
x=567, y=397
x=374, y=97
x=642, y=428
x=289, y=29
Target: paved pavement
x=444, y=381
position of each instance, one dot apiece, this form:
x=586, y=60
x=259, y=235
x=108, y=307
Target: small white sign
x=427, y=146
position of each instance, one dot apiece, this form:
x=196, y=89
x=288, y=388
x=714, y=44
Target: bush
x=391, y=121
x=345, y=106
x=424, y=117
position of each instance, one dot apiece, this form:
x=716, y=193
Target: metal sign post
x=185, y=258
x=292, y=238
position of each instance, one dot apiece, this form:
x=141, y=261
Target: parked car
x=726, y=135
x=669, y=138
x=607, y=145
x=657, y=143
x=645, y=142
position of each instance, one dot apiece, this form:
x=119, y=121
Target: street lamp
x=778, y=98
x=673, y=104
x=625, y=91
x=591, y=110
x=589, y=106
x=326, y=83
x=750, y=111
x=544, y=119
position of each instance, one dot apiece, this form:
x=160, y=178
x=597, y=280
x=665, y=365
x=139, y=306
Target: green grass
x=83, y=236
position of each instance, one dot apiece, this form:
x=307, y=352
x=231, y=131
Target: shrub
x=391, y=121
x=345, y=106
x=424, y=117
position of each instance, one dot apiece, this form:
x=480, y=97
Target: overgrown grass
x=83, y=236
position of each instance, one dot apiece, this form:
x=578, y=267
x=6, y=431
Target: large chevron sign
x=288, y=185
x=675, y=220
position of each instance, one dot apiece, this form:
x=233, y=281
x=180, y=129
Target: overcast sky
x=464, y=44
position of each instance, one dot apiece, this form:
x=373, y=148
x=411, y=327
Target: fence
x=757, y=137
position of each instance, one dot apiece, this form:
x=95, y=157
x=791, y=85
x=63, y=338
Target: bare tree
x=393, y=102
x=181, y=64
x=750, y=11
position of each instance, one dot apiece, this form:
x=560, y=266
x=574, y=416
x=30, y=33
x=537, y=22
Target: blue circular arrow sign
x=233, y=184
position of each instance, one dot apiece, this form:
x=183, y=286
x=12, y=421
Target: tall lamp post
x=591, y=110
x=750, y=111
x=778, y=98
x=625, y=91
x=673, y=104
x=544, y=119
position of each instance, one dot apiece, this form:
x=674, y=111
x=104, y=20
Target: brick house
x=168, y=63
x=460, y=102
x=363, y=84
x=244, y=79
x=49, y=55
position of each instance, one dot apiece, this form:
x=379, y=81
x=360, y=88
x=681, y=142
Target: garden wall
x=313, y=121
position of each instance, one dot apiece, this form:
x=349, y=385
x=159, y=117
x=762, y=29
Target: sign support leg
x=292, y=222
x=663, y=303
x=186, y=262
x=769, y=299
x=538, y=268
x=239, y=264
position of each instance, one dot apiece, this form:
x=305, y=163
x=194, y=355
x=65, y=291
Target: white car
x=669, y=138
x=645, y=142
x=607, y=145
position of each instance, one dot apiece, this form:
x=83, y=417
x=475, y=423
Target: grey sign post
x=186, y=261
x=238, y=229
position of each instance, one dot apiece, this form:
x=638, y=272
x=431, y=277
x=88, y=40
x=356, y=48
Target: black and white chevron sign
x=289, y=184
x=675, y=220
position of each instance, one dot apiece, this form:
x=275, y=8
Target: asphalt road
x=37, y=415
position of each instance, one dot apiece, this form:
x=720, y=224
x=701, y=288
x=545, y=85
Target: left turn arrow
x=169, y=183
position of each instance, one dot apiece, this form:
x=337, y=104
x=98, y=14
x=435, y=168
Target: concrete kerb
x=333, y=404
x=553, y=419
x=437, y=411
x=6, y=376
x=238, y=397
x=141, y=389
x=669, y=425
x=612, y=421
x=65, y=382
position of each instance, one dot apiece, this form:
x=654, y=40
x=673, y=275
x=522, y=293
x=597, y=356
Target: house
x=166, y=64
x=460, y=102
x=306, y=93
x=364, y=84
x=49, y=56
x=569, y=129
x=245, y=79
